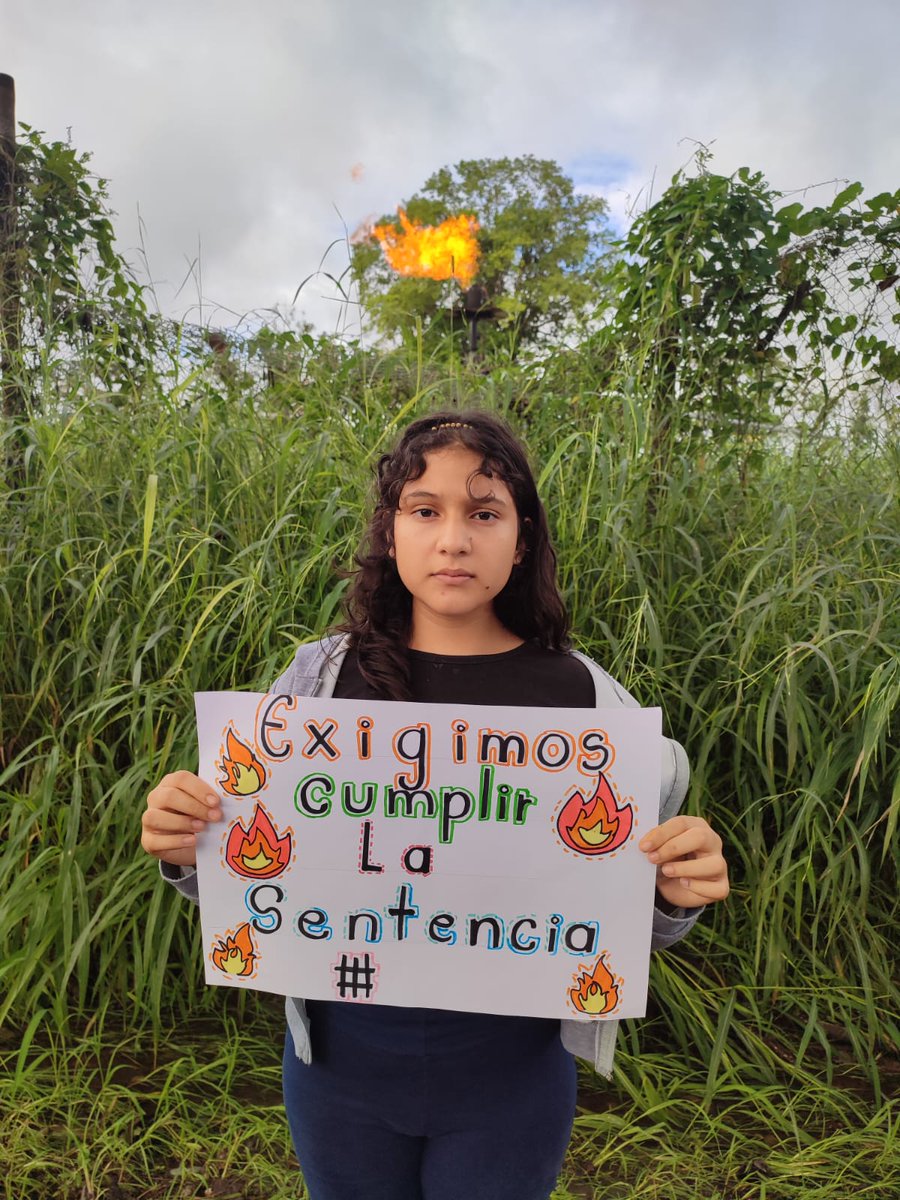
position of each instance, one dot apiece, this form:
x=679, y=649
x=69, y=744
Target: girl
x=454, y=600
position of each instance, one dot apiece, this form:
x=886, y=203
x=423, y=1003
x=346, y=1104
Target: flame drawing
x=595, y=993
x=236, y=953
x=243, y=773
x=597, y=825
x=445, y=251
x=257, y=852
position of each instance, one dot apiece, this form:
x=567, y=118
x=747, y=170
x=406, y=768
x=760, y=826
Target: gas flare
x=595, y=993
x=258, y=852
x=446, y=251
x=243, y=773
x=235, y=954
x=597, y=825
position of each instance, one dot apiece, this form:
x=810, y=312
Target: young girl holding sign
x=454, y=601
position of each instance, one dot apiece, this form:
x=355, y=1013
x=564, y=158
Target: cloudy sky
x=241, y=139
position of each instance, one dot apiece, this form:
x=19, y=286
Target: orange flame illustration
x=243, y=773
x=595, y=826
x=595, y=993
x=235, y=954
x=257, y=852
x=445, y=251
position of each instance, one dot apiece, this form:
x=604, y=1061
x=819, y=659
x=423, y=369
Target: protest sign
x=448, y=856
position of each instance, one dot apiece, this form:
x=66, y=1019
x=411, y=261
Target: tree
x=735, y=306
x=545, y=253
x=73, y=288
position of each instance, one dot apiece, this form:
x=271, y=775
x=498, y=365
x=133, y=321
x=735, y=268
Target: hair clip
x=451, y=425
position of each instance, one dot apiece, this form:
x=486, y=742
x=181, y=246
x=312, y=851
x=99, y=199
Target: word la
x=415, y=860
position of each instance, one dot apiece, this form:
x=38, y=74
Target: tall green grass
x=187, y=539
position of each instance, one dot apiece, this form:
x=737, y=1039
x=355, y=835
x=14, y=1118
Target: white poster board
x=447, y=856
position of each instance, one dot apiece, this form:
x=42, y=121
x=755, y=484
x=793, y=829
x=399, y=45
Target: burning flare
x=445, y=251
x=595, y=993
x=595, y=826
x=236, y=954
x=243, y=773
x=257, y=852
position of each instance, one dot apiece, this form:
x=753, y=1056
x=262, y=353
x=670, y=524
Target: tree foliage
x=545, y=253
x=758, y=305
x=74, y=288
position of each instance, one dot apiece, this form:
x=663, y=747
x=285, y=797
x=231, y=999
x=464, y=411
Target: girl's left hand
x=690, y=869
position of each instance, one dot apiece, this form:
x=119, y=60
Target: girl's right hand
x=178, y=808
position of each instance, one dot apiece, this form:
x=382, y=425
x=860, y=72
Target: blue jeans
x=434, y=1106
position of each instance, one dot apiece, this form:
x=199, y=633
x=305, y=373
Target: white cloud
x=236, y=127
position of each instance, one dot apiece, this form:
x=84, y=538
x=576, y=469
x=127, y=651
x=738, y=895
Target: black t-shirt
x=529, y=676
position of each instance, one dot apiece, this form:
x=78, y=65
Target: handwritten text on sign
x=446, y=856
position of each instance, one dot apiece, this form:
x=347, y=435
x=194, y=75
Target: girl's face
x=456, y=540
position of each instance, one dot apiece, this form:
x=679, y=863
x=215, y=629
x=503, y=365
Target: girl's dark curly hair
x=378, y=607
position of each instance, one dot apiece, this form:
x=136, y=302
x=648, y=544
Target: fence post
x=13, y=398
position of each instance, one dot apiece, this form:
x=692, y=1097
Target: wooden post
x=13, y=399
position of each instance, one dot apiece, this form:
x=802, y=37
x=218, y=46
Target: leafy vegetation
x=758, y=307
x=80, y=309
x=183, y=536
x=544, y=256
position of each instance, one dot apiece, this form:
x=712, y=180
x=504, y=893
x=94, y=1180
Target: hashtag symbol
x=356, y=976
